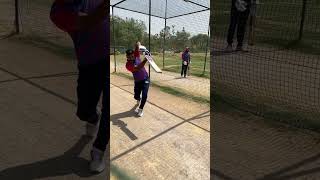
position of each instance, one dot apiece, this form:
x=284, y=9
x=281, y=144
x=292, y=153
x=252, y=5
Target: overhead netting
x=279, y=75
x=162, y=8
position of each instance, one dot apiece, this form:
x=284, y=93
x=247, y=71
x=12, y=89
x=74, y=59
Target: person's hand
x=136, y=45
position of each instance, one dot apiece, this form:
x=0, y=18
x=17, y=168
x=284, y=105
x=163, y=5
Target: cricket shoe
x=97, y=164
x=140, y=112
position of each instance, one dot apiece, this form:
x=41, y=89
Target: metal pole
x=205, y=59
x=114, y=42
x=164, y=36
x=303, y=14
x=149, y=33
x=17, y=24
x=164, y=42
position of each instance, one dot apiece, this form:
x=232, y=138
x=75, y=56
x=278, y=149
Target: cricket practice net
x=279, y=74
x=165, y=28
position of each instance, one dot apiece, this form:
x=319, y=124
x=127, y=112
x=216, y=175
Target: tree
x=182, y=39
x=127, y=31
x=199, y=42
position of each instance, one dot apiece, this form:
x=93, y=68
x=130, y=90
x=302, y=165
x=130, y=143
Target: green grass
x=173, y=91
x=172, y=63
x=277, y=23
x=119, y=173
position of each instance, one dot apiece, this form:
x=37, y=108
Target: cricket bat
x=154, y=66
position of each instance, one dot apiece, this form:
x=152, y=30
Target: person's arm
x=141, y=65
x=136, y=50
x=70, y=20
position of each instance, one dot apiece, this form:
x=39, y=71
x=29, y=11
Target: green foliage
x=128, y=31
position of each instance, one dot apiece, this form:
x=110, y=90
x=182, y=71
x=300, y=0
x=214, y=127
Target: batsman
x=140, y=75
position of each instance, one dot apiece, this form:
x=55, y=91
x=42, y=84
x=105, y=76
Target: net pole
x=164, y=42
x=149, y=33
x=114, y=41
x=205, y=58
x=303, y=14
x=164, y=35
x=17, y=16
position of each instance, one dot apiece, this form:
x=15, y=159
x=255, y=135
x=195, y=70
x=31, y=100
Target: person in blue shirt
x=186, y=60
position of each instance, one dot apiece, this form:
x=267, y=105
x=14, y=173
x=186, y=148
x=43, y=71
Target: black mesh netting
x=278, y=74
x=36, y=26
x=163, y=8
x=7, y=18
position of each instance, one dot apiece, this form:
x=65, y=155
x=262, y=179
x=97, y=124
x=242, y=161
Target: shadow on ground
x=68, y=163
x=116, y=120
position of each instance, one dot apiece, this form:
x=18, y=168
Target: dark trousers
x=184, y=70
x=238, y=21
x=141, y=88
x=93, y=81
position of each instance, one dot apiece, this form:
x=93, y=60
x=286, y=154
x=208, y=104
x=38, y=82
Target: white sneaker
x=97, y=164
x=91, y=129
x=138, y=102
x=140, y=112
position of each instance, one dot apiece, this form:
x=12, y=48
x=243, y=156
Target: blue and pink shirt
x=141, y=74
x=186, y=57
x=91, y=45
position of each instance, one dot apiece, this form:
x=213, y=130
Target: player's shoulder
x=129, y=66
x=128, y=63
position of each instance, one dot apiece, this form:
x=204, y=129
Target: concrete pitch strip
x=168, y=142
